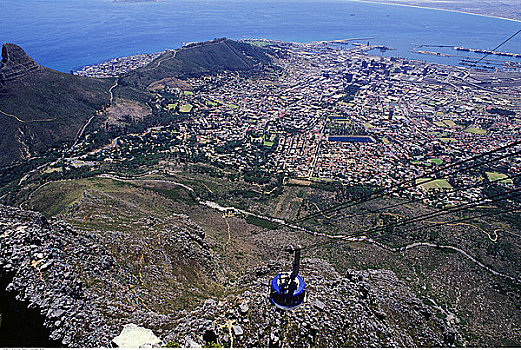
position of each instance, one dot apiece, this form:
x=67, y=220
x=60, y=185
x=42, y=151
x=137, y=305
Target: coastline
x=435, y=8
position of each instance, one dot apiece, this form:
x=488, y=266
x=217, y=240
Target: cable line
x=494, y=49
x=508, y=210
x=514, y=193
x=344, y=239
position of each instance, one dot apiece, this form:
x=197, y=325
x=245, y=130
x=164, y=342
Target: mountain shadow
x=41, y=108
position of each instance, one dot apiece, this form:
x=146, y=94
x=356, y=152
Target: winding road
x=365, y=239
x=110, y=91
x=12, y=116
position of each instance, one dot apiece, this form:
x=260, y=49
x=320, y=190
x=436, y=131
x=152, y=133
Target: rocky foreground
x=86, y=298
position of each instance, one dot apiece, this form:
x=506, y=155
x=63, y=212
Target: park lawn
x=232, y=106
x=52, y=170
x=188, y=93
x=172, y=106
x=259, y=43
x=368, y=125
x=495, y=176
x=447, y=139
x=268, y=143
x=186, y=108
x=476, y=131
x=450, y=123
x=436, y=161
x=211, y=103
x=433, y=184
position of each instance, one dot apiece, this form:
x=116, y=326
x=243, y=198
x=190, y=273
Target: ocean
x=69, y=34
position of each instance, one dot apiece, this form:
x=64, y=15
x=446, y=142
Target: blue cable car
x=288, y=290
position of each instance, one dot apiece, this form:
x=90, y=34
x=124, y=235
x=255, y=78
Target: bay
x=68, y=34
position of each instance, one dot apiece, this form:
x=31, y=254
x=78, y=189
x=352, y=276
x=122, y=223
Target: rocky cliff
x=53, y=269
x=86, y=297
x=15, y=63
x=357, y=309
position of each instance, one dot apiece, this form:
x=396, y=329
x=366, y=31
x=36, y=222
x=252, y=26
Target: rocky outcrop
x=357, y=309
x=133, y=336
x=74, y=283
x=86, y=297
x=15, y=63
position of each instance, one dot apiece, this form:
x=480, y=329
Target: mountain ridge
x=195, y=59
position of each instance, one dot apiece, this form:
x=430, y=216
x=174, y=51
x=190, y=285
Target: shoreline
x=437, y=9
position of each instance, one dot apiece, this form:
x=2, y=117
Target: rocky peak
x=15, y=63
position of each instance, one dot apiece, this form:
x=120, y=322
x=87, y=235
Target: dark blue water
x=67, y=34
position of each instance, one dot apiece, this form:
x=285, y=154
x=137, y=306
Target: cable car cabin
x=288, y=290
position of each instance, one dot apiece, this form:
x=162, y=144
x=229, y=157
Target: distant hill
x=40, y=107
x=200, y=58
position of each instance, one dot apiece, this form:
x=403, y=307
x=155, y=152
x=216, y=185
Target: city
x=338, y=114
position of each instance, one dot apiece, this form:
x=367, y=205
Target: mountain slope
x=196, y=59
x=86, y=293
x=41, y=108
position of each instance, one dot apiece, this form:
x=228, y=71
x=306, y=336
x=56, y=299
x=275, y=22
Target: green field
x=437, y=161
x=188, y=93
x=172, y=106
x=434, y=184
x=232, y=106
x=495, y=176
x=211, y=103
x=450, y=123
x=476, y=131
x=447, y=139
x=186, y=108
x=268, y=144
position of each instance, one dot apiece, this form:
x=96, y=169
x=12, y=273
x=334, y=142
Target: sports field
x=495, y=176
x=476, y=131
x=436, y=184
x=186, y=108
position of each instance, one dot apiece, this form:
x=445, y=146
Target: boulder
x=133, y=336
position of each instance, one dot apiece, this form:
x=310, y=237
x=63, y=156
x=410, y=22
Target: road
x=343, y=238
x=12, y=116
x=110, y=91
x=78, y=137
x=161, y=61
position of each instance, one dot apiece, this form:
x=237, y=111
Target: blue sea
x=68, y=34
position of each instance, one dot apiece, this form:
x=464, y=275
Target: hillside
x=42, y=108
x=86, y=292
x=200, y=58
